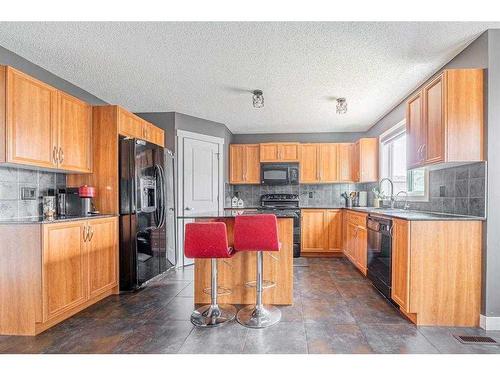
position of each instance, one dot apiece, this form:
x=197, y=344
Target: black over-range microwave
x=279, y=174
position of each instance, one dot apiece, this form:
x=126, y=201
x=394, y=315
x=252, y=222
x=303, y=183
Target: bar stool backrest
x=256, y=233
x=206, y=240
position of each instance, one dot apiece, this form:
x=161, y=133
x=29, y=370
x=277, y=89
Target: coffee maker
x=75, y=202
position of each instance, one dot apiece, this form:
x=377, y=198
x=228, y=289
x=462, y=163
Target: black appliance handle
x=160, y=198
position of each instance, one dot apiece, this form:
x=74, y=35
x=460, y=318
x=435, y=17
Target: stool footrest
x=220, y=291
x=266, y=284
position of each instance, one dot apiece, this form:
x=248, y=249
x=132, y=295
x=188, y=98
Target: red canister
x=86, y=191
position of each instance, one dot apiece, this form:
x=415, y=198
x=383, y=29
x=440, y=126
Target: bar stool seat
x=209, y=240
x=257, y=233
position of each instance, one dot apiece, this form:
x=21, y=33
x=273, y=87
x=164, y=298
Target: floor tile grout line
x=183, y=342
x=428, y=340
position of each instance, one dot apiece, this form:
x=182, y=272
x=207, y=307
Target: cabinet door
x=288, y=152
x=313, y=234
x=269, y=152
x=355, y=160
x=334, y=229
x=361, y=249
x=328, y=162
x=75, y=134
x=31, y=121
x=368, y=160
x=102, y=247
x=415, y=132
x=129, y=125
x=237, y=164
x=350, y=241
x=252, y=164
x=345, y=161
x=309, y=172
x=400, y=263
x=64, y=269
x=154, y=134
x=433, y=96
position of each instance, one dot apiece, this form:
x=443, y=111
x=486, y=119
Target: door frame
x=181, y=135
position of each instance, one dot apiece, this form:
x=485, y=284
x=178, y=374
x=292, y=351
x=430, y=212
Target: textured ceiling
x=208, y=69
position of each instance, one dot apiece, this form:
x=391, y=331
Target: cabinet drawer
x=356, y=218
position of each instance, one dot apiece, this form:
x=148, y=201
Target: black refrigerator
x=143, y=237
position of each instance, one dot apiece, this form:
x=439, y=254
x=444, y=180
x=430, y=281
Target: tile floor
x=336, y=310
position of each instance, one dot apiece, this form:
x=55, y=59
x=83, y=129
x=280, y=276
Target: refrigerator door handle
x=160, y=198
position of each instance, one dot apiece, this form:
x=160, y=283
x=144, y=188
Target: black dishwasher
x=380, y=253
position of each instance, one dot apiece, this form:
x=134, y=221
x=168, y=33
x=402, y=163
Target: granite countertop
x=42, y=220
x=229, y=213
x=416, y=215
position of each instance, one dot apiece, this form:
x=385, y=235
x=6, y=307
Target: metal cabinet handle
x=61, y=155
x=54, y=155
x=91, y=233
x=422, y=151
x=85, y=233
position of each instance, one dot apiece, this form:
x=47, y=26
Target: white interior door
x=200, y=178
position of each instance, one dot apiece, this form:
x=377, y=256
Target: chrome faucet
x=406, y=205
x=391, y=196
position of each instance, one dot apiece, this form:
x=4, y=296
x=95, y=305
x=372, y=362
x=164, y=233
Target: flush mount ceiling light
x=341, y=106
x=258, y=99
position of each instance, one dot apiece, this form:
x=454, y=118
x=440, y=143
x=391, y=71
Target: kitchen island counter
x=234, y=272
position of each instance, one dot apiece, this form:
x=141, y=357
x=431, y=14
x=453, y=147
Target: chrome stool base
x=262, y=317
x=213, y=316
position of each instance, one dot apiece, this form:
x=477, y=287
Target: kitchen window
x=393, y=165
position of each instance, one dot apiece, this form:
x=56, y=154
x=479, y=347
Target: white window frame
x=389, y=135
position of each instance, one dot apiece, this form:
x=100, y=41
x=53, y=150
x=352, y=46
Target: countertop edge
x=61, y=220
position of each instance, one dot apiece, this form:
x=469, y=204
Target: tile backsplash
x=457, y=190
x=11, y=182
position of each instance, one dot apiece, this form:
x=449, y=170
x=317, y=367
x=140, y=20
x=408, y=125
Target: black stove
x=284, y=205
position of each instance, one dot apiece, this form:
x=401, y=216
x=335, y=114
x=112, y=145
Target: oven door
x=379, y=255
x=272, y=174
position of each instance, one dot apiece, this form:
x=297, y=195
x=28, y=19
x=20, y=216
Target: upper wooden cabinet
x=319, y=163
x=345, y=156
x=321, y=231
x=279, y=152
x=41, y=126
x=244, y=164
x=445, y=119
x=75, y=134
x=130, y=125
x=365, y=160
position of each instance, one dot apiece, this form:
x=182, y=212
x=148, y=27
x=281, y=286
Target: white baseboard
x=489, y=323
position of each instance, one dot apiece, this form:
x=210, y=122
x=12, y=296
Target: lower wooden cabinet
x=355, y=242
x=79, y=263
x=321, y=231
x=400, y=263
x=58, y=270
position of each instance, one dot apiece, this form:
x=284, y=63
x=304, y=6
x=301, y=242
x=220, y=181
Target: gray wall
x=297, y=137
x=10, y=58
x=491, y=282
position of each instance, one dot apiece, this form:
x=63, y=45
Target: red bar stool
x=257, y=233
x=209, y=240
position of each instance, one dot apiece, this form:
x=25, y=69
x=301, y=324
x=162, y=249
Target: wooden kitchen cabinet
x=64, y=268
x=345, y=157
x=130, y=125
x=400, y=263
x=313, y=234
x=29, y=108
x=365, y=160
x=44, y=127
x=355, y=243
x=309, y=163
x=319, y=163
x=321, y=231
x=80, y=263
x=103, y=256
x=75, y=134
x=244, y=164
x=279, y=152
x=445, y=119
